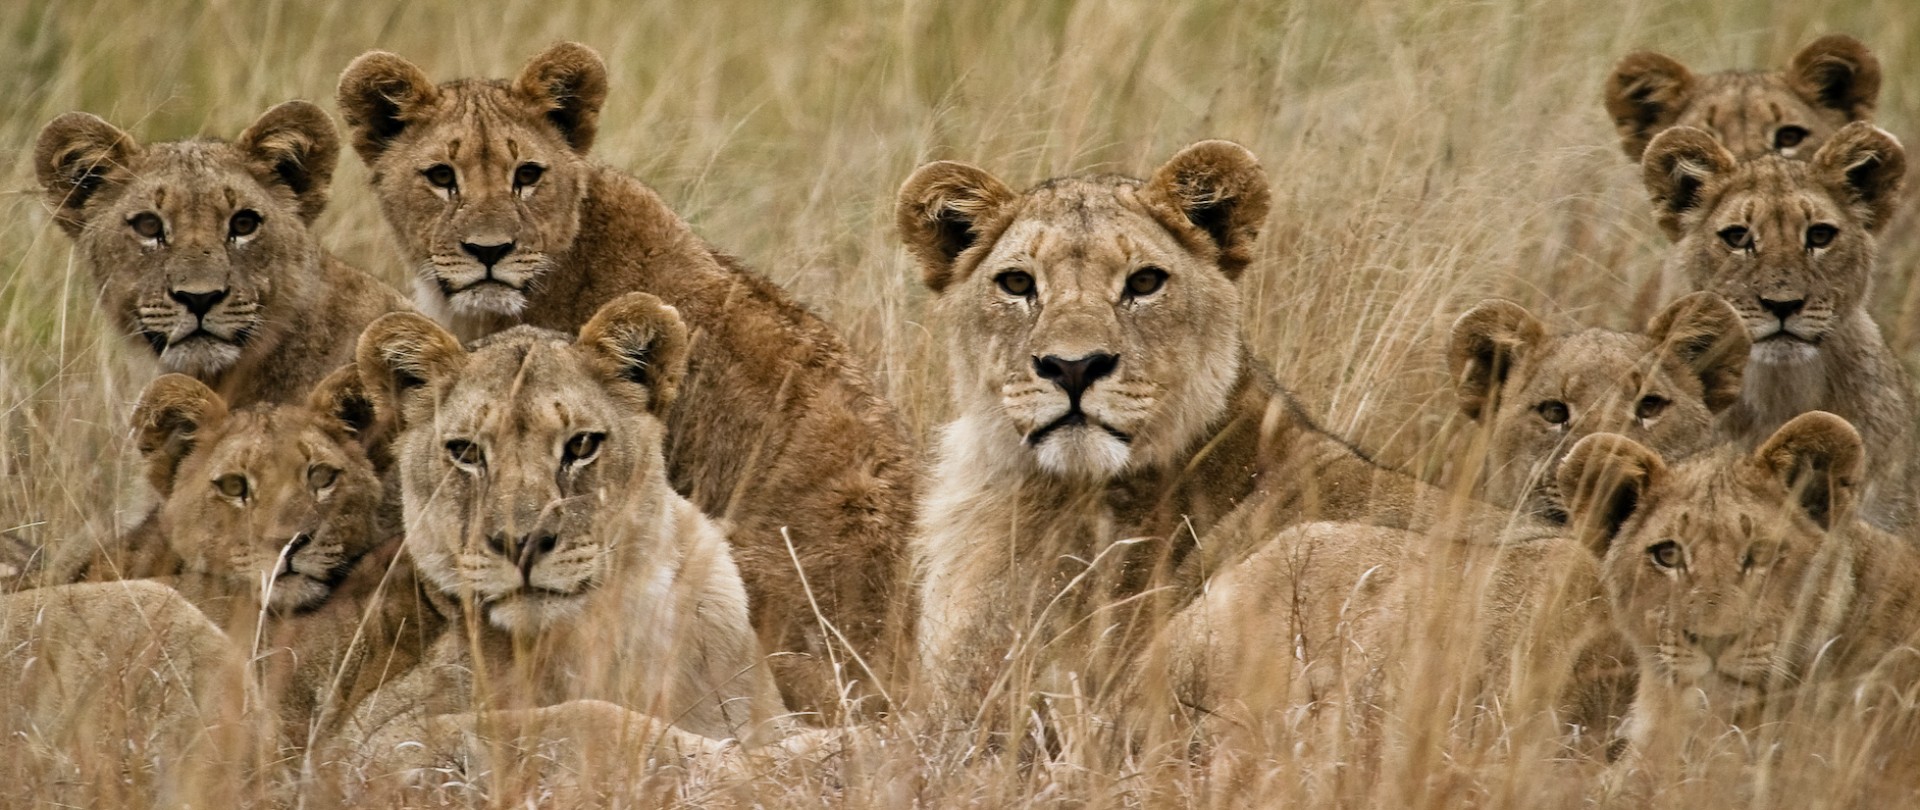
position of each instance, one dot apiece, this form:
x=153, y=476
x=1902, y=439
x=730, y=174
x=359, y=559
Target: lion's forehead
x=1591, y=364
x=535, y=385
x=481, y=123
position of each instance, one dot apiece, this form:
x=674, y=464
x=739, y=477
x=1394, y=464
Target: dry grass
x=1423, y=154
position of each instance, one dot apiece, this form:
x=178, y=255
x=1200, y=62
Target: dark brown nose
x=1783, y=309
x=525, y=552
x=488, y=255
x=198, y=303
x=1713, y=646
x=1077, y=375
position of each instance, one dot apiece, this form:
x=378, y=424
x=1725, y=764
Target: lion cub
x=1791, y=245
x=1536, y=393
x=1830, y=83
x=538, y=511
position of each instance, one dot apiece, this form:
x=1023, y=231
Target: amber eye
x=1554, y=411
x=581, y=447
x=1015, y=282
x=1737, y=237
x=1146, y=281
x=465, y=453
x=1746, y=561
x=1788, y=137
x=1650, y=407
x=528, y=174
x=1665, y=554
x=233, y=485
x=321, y=476
x=244, y=223
x=147, y=225
x=440, y=175
x=1821, y=235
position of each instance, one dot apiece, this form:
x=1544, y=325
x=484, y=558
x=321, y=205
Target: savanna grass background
x=1423, y=154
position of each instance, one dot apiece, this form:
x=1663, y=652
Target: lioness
x=538, y=511
x=1833, y=81
x=1535, y=392
x=1791, y=245
x=778, y=432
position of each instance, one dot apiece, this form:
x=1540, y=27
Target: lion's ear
x=343, y=398
x=380, y=95
x=1866, y=166
x=1487, y=342
x=173, y=411
x=1219, y=188
x=1818, y=457
x=1678, y=164
x=942, y=210
x=569, y=82
x=294, y=146
x=77, y=155
x=1605, y=480
x=1837, y=72
x=1707, y=336
x=399, y=358
x=637, y=339
x=1645, y=94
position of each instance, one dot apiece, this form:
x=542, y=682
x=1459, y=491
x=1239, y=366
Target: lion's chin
x=488, y=298
x=200, y=355
x=1083, y=451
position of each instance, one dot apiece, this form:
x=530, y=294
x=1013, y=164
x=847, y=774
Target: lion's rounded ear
x=569, y=83
x=294, y=146
x=1819, y=458
x=942, y=210
x=399, y=357
x=1487, y=342
x=1605, y=480
x=1837, y=72
x=1867, y=167
x=77, y=155
x=172, y=412
x=343, y=398
x=1678, y=164
x=1219, y=188
x=1645, y=94
x=1707, y=336
x=380, y=95
x=639, y=339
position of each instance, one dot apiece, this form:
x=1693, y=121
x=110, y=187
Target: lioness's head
x=1537, y=393
x=1830, y=83
x=200, y=246
x=1094, y=322
x=481, y=179
x=1723, y=569
x=277, y=500
x=527, y=463
x=1789, y=243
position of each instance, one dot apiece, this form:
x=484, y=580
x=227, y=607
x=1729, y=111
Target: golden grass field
x=1423, y=155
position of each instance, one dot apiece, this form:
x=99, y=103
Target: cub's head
x=274, y=499
x=1830, y=83
x=527, y=464
x=1093, y=322
x=200, y=247
x=1789, y=243
x=1726, y=571
x=481, y=179
x=1537, y=393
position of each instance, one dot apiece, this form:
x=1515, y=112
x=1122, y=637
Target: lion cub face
x=1790, y=244
x=525, y=464
x=1094, y=321
x=1723, y=569
x=200, y=246
x=274, y=499
x=1833, y=81
x=481, y=180
x=1537, y=393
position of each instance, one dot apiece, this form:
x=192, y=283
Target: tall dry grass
x=1423, y=155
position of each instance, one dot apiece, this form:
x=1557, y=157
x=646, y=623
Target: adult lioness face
x=1092, y=322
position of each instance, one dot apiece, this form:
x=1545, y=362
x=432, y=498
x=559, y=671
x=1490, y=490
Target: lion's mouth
x=487, y=284
x=161, y=341
x=1073, y=418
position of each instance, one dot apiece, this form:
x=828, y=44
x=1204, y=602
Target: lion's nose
x=488, y=255
x=1783, y=308
x=1077, y=375
x=524, y=552
x=1713, y=646
x=198, y=303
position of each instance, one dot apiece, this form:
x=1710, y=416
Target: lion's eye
x=581, y=447
x=528, y=174
x=1789, y=136
x=441, y=176
x=1665, y=554
x=321, y=476
x=465, y=453
x=1146, y=281
x=1015, y=282
x=1821, y=235
x=232, y=485
x=1554, y=411
x=244, y=223
x=1746, y=561
x=147, y=225
x=1737, y=237
x=1650, y=406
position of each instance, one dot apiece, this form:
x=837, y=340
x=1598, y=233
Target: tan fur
x=1775, y=592
x=1828, y=354
x=286, y=312
x=1831, y=82
x=538, y=510
x=778, y=428
x=1044, y=535
x=1536, y=392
